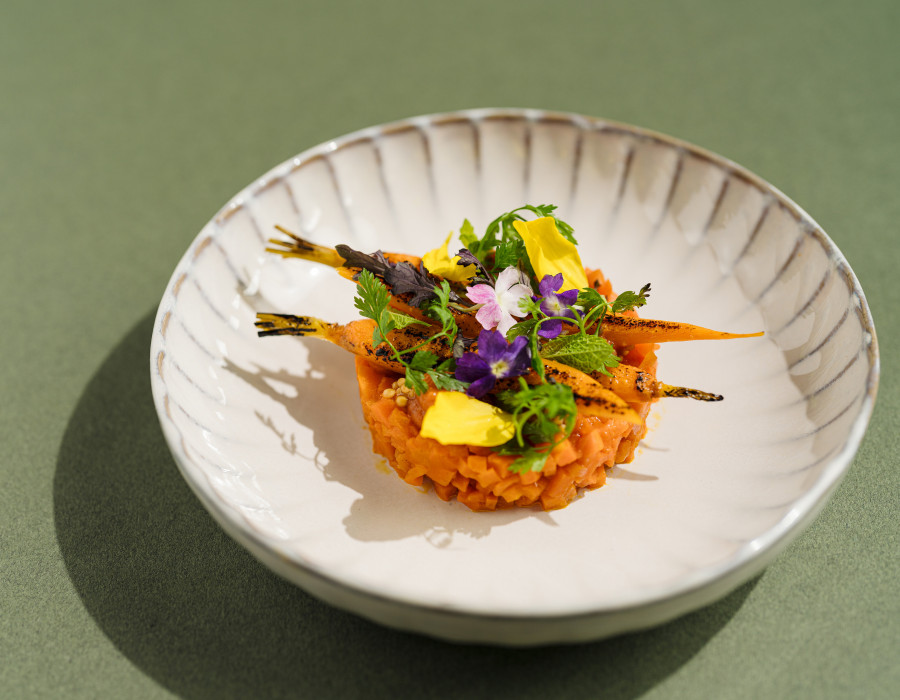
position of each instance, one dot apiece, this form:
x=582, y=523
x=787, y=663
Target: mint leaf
x=588, y=353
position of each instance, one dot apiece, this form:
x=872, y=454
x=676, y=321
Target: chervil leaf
x=541, y=411
x=529, y=461
x=626, y=301
x=589, y=298
x=401, y=320
x=439, y=309
x=593, y=305
x=529, y=306
x=544, y=415
x=446, y=382
x=444, y=315
x=467, y=233
x=373, y=297
x=585, y=352
x=383, y=326
x=521, y=328
x=423, y=360
x=416, y=380
x=509, y=254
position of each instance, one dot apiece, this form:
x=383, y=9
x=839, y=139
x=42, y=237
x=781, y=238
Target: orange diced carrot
x=445, y=493
x=565, y=452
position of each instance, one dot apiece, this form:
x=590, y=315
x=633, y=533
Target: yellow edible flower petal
x=458, y=419
x=439, y=263
x=551, y=253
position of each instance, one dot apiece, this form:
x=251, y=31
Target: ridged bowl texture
x=269, y=434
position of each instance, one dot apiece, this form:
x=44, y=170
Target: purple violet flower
x=494, y=359
x=555, y=303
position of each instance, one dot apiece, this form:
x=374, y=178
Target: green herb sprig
x=544, y=416
x=373, y=301
x=502, y=239
x=585, y=349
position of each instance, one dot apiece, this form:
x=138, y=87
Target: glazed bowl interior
x=269, y=433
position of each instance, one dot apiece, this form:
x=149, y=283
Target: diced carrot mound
x=500, y=464
x=460, y=482
x=556, y=495
x=487, y=479
x=565, y=453
x=382, y=410
x=478, y=477
x=513, y=493
x=549, y=466
x=445, y=493
x=504, y=484
x=478, y=500
x=440, y=473
x=475, y=466
x=532, y=492
x=414, y=477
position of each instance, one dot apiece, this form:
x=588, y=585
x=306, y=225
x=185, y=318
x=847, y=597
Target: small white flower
x=500, y=302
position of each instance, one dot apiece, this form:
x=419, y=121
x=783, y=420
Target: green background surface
x=125, y=126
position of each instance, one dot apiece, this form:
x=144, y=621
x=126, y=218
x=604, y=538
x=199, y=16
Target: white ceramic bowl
x=270, y=436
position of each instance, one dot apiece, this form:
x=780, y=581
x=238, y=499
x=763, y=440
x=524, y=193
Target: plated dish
x=508, y=375
x=271, y=437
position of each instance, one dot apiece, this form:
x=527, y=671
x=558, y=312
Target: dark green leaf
x=587, y=353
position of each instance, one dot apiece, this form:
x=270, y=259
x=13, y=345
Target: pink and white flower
x=500, y=303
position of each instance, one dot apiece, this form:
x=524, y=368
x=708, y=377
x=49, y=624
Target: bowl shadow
x=200, y=616
x=347, y=457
